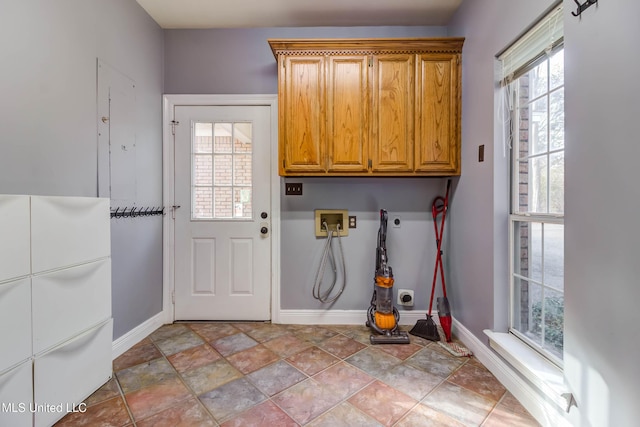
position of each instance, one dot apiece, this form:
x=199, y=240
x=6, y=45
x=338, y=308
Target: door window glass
x=222, y=165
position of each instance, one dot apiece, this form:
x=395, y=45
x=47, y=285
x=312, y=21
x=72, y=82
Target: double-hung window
x=533, y=85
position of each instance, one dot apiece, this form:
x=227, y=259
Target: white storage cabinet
x=55, y=305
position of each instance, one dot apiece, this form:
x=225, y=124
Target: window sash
x=513, y=276
x=516, y=157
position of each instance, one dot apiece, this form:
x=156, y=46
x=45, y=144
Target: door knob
x=264, y=230
x=264, y=215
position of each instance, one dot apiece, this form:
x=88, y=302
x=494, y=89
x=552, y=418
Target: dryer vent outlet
x=405, y=297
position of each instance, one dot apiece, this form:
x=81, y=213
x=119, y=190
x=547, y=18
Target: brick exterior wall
x=523, y=198
x=222, y=178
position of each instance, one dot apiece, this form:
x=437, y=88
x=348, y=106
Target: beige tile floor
x=260, y=374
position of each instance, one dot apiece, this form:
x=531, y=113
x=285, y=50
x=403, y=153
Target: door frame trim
x=168, y=191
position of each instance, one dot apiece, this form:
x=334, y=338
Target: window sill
x=546, y=376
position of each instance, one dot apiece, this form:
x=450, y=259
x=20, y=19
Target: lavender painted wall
x=601, y=197
x=241, y=61
x=48, y=119
x=479, y=212
x=602, y=202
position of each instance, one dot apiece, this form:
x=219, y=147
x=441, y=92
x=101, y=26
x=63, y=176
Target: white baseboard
x=299, y=317
x=137, y=334
x=542, y=410
x=342, y=317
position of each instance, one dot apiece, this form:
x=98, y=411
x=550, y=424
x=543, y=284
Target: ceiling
x=174, y=14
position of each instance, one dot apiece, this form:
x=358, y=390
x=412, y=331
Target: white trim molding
x=545, y=410
x=342, y=317
x=137, y=334
x=535, y=368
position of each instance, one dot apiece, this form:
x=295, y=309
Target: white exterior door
x=222, y=230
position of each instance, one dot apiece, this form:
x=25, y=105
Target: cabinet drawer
x=15, y=256
x=68, y=230
x=69, y=373
x=67, y=302
x=16, y=396
x=15, y=322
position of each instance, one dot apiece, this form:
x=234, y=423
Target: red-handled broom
x=440, y=206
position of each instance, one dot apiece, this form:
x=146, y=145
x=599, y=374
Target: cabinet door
x=67, y=231
x=347, y=119
x=302, y=120
x=438, y=115
x=15, y=322
x=15, y=240
x=69, y=373
x=68, y=301
x=393, y=113
x=16, y=394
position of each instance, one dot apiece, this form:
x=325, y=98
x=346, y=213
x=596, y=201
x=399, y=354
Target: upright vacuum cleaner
x=382, y=316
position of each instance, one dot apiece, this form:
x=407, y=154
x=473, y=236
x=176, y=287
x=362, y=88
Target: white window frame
x=521, y=57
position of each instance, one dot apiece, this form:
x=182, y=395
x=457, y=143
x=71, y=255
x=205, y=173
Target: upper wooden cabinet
x=363, y=107
x=347, y=115
x=302, y=102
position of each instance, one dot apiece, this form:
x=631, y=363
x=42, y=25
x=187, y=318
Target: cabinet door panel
x=68, y=230
x=68, y=374
x=347, y=119
x=302, y=120
x=15, y=249
x=66, y=302
x=393, y=113
x=15, y=322
x=16, y=391
x=437, y=116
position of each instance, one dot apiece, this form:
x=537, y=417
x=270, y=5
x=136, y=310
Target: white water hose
x=326, y=297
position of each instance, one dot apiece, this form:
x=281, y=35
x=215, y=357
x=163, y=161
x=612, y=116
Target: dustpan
x=427, y=328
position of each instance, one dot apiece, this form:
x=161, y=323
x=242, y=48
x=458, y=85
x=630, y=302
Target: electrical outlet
x=293, y=188
x=352, y=222
x=395, y=222
x=405, y=297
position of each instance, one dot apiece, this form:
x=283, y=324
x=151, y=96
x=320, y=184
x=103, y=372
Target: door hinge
x=371, y=61
x=173, y=211
x=173, y=125
x=369, y=163
x=173, y=297
x=457, y=59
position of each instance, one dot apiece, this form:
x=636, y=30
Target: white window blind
x=535, y=45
